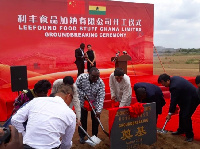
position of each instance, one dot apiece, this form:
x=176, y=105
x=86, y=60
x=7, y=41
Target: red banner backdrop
x=43, y=35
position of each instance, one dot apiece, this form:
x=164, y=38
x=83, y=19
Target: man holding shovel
x=90, y=87
x=184, y=94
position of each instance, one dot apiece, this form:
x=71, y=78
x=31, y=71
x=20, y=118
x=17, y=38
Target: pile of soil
x=164, y=141
x=168, y=141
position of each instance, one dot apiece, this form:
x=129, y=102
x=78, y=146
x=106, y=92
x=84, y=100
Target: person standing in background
x=79, y=54
x=91, y=58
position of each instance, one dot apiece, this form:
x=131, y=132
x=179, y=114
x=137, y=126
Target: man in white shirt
x=120, y=87
x=49, y=120
x=68, y=80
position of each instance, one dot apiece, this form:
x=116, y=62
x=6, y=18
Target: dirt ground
x=164, y=141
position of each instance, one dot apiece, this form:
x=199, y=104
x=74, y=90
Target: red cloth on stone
x=136, y=109
x=114, y=103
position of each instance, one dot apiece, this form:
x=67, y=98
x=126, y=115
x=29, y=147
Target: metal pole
x=160, y=59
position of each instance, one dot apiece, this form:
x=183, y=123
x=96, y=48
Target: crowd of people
x=49, y=121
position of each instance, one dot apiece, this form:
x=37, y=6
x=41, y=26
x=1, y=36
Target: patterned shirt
x=25, y=96
x=94, y=91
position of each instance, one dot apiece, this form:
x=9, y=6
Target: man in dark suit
x=79, y=54
x=184, y=94
x=197, y=81
x=147, y=93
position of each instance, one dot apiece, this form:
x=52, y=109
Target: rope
x=133, y=68
x=159, y=59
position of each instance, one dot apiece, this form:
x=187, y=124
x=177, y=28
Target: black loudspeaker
x=18, y=78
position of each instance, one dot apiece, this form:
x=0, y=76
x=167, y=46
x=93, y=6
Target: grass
x=192, y=61
x=181, y=65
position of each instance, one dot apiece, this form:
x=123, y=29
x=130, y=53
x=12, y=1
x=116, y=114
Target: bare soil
x=164, y=141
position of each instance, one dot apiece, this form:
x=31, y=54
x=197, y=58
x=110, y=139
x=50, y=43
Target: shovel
x=91, y=140
x=97, y=117
x=163, y=129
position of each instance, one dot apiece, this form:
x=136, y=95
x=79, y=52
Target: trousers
x=95, y=123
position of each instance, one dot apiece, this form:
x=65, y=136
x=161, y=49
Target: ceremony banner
x=43, y=35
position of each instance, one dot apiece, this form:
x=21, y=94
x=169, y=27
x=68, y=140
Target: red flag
x=75, y=6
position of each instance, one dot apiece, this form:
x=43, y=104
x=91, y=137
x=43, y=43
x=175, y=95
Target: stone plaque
x=128, y=133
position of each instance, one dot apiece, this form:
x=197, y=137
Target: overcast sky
x=176, y=22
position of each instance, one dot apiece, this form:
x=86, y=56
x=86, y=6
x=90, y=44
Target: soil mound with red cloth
x=164, y=141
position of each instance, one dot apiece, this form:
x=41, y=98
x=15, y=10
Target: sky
x=176, y=22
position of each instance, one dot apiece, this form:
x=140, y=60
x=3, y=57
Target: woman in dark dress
x=91, y=58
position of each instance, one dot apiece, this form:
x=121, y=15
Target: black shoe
x=177, y=133
x=82, y=140
x=189, y=139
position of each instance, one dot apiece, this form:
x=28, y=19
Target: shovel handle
x=100, y=122
x=97, y=117
x=94, y=113
x=86, y=134
x=165, y=124
x=91, y=106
